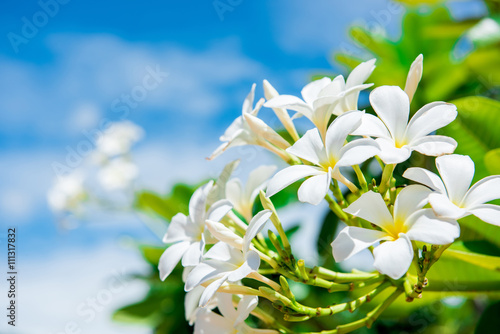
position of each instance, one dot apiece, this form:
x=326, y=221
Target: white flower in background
x=118, y=138
x=326, y=158
x=452, y=197
x=325, y=96
x=68, y=192
x=396, y=136
x=229, y=260
x=247, y=129
x=117, y=174
x=243, y=198
x=231, y=320
x=188, y=233
x=409, y=222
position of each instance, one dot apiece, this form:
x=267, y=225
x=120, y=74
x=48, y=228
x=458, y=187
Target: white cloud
x=99, y=69
x=80, y=287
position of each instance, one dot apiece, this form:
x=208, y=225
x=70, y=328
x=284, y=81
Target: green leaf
x=153, y=203
x=490, y=320
x=152, y=254
x=475, y=130
x=326, y=234
x=461, y=252
x=492, y=161
x=475, y=229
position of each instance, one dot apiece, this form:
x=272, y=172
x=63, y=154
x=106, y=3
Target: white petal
x=219, y=209
x=251, y=264
x=393, y=107
x=488, y=213
x=290, y=102
x=434, y=145
x=257, y=181
x=390, y=154
x=193, y=254
x=358, y=151
x=311, y=91
x=360, y=73
x=371, y=207
x=443, y=207
x=288, y=176
x=254, y=227
x=429, y=118
x=177, y=230
x=350, y=99
x=264, y=131
x=225, y=306
x=222, y=233
x=310, y=147
x=248, y=102
x=246, y=305
x=191, y=301
x=197, y=203
x=234, y=191
x=208, y=322
x=170, y=257
x=393, y=258
x=426, y=227
x=338, y=131
x=210, y=291
x=200, y=274
x=371, y=126
x=357, y=77
x=409, y=200
x=314, y=189
x=334, y=88
x=414, y=76
x=351, y=240
x=483, y=191
x=220, y=251
x=425, y=177
x=456, y=172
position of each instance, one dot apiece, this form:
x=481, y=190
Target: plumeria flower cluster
x=220, y=243
x=109, y=168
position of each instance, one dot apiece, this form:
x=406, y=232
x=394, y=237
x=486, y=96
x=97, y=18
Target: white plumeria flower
x=229, y=260
x=191, y=303
x=243, y=198
x=118, y=138
x=396, y=136
x=231, y=321
x=117, y=174
x=409, y=222
x=452, y=197
x=327, y=158
x=325, y=96
x=68, y=192
x=188, y=233
x=247, y=129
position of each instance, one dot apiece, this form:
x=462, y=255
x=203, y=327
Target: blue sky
x=65, y=79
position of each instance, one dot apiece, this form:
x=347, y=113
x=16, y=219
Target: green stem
x=386, y=178
x=361, y=178
x=337, y=210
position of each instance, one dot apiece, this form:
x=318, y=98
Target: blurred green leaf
x=326, y=234
x=492, y=161
x=460, y=251
x=490, y=320
x=475, y=130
